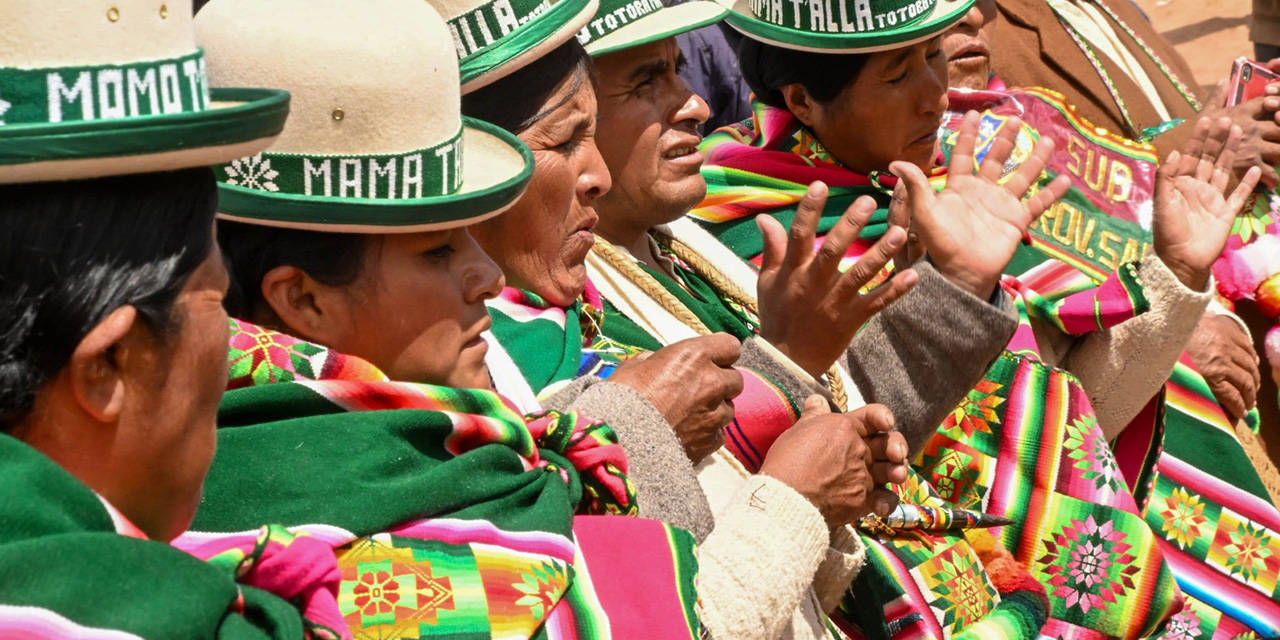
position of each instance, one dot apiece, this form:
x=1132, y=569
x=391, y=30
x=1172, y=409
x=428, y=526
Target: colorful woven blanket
x=450, y=513
x=74, y=567
x=763, y=144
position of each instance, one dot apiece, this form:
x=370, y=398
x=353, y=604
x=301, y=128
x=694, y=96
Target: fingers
x=1030, y=171
x=883, y=472
x=1230, y=399
x=815, y=405
x=721, y=348
x=920, y=195
x=1224, y=168
x=962, y=154
x=877, y=418
x=1000, y=150
x=845, y=231
x=884, y=502
x=733, y=383
x=1214, y=145
x=1045, y=198
x=774, y=237
x=1236, y=203
x=889, y=292
x=1194, y=146
x=804, y=227
x=869, y=265
x=888, y=447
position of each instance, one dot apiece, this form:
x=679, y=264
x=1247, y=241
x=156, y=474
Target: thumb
x=919, y=192
x=815, y=405
x=774, y=237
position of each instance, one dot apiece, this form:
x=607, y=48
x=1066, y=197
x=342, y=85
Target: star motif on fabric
x=1253, y=222
x=1184, y=518
x=965, y=597
x=1248, y=550
x=1092, y=455
x=253, y=172
x=542, y=587
x=1184, y=626
x=976, y=413
x=1088, y=565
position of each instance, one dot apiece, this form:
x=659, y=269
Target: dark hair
x=519, y=100
x=251, y=251
x=768, y=68
x=71, y=253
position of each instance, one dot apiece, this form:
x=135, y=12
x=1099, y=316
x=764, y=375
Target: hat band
x=842, y=16
x=608, y=21
x=111, y=92
x=484, y=26
x=433, y=171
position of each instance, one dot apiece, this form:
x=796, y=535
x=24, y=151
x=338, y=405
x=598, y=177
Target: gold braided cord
x=654, y=289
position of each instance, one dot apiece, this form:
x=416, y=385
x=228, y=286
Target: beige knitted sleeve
x=1123, y=368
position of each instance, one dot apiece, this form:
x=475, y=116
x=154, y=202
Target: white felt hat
x=624, y=24
x=844, y=26
x=376, y=142
x=92, y=88
x=495, y=38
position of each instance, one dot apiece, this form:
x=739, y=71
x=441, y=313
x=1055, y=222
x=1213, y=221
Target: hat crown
x=848, y=17
x=369, y=78
x=40, y=34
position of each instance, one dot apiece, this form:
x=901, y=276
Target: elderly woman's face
x=542, y=242
x=890, y=112
x=967, y=46
x=168, y=426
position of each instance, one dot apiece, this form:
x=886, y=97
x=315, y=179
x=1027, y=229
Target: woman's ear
x=304, y=307
x=800, y=103
x=103, y=359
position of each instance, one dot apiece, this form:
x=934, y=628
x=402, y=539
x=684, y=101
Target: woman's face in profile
x=542, y=242
x=890, y=112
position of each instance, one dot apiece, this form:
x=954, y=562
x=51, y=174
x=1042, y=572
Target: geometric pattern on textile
x=408, y=588
x=1088, y=564
x=965, y=596
x=956, y=474
x=1091, y=456
x=976, y=413
x=1246, y=551
x=260, y=356
x=1183, y=518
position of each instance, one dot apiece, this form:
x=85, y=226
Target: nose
x=482, y=279
x=973, y=19
x=694, y=110
x=593, y=179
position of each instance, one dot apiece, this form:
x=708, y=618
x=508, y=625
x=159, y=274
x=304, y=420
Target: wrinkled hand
x=693, y=384
x=1225, y=357
x=836, y=460
x=809, y=310
x=1192, y=218
x=1260, y=133
x=972, y=229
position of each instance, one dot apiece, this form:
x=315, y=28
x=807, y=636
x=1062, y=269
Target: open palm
x=973, y=227
x=1193, y=216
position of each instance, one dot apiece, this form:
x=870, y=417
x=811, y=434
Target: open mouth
x=680, y=152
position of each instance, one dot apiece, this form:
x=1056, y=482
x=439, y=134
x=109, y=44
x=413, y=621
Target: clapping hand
x=1193, y=216
x=973, y=227
x=809, y=310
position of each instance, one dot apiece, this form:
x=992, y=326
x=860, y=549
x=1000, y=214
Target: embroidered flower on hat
x=253, y=172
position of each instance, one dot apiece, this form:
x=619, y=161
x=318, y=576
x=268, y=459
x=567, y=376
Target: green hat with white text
x=844, y=26
x=94, y=89
x=376, y=142
x=624, y=24
x=495, y=38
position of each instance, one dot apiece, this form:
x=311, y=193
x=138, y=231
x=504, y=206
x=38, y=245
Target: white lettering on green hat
x=490, y=22
x=614, y=15
x=842, y=16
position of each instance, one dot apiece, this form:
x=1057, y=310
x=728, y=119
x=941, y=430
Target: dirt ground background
x=1210, y=34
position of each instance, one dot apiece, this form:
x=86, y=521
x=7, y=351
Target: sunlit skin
x=133, y=414
x=649, y=139
x=542, y=242
x=967, y=46
x=890, y=112
x=416, y=311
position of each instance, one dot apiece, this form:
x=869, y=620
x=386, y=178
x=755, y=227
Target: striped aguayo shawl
x=763, y=166
x=450, y=513
x=74, y=567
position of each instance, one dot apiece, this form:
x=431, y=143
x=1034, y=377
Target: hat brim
x=659, y=25
x=534, y=39
x=496, y=169
x=945, y=14
x=238, y=123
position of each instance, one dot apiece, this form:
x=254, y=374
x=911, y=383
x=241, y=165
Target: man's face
x=648, y=135
x=968, y=47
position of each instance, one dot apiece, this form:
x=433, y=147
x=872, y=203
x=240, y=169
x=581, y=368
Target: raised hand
x=1193, y=216
x=809, y=310
x=973, y=227
x=836, y=460
x=693, y=384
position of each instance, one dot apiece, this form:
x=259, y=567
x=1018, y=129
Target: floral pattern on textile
x=1247, y=550
x=253, y=172
x=1088, y=564
x=1184, y=626
x=259, y=356
x=1092, y=454
x=1184, y=519
x=976, y=413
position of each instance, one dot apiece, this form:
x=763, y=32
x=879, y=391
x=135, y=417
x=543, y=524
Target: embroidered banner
x=110, y=92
